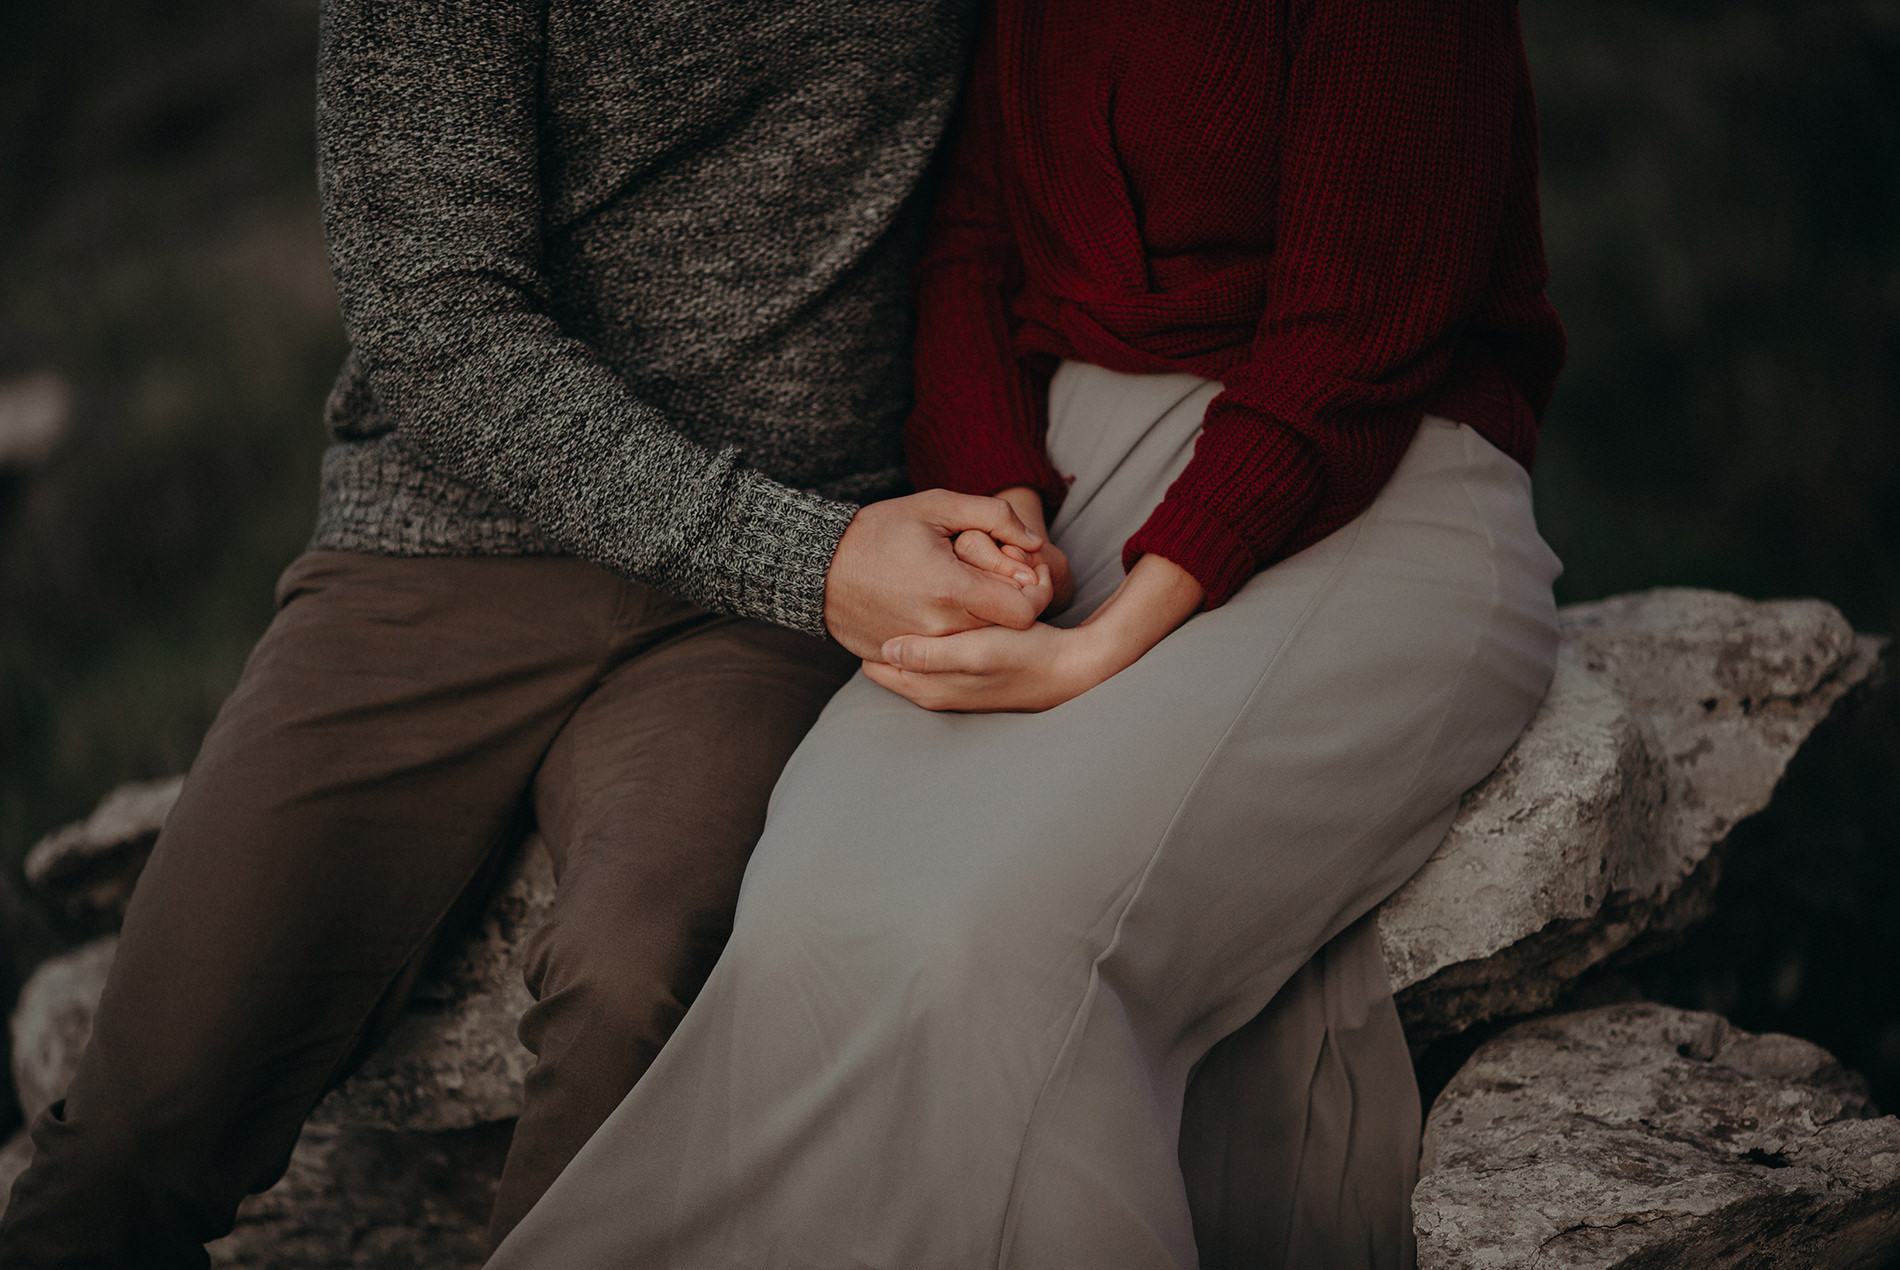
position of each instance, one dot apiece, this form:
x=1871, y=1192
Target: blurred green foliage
x=1722, y=202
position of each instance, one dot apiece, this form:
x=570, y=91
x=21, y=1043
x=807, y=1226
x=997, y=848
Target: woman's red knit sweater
x=1330, y=206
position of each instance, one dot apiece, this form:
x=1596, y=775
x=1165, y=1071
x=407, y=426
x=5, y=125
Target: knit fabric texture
x=627, y=279
x=1330, y=206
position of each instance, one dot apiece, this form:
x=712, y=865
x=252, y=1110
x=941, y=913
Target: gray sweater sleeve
x=427, y=136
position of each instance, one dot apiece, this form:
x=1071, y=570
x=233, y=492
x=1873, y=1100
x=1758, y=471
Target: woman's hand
x=996, y=668
x=1049, y=585
x=1025, y=569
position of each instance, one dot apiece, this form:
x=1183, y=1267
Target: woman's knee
x=926, y=949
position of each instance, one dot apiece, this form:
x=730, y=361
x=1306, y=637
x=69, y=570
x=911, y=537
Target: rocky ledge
x=1638, y=1135
x=1671, y=718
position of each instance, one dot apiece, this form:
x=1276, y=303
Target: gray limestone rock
x=1643, y=1136
x=1671, y=718
x=88, y=869
x=453, y=1060
x=371, y=1199
x=52, y=1021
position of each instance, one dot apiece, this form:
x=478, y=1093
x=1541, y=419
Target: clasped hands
x=939, y=594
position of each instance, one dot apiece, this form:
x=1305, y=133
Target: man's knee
x=621, y=990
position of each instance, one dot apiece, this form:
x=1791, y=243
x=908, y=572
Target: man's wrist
x=835, y=605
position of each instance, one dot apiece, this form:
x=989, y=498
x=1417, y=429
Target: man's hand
x=896, y=571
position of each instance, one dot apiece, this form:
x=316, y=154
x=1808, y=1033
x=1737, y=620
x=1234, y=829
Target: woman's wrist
x=1156, y=596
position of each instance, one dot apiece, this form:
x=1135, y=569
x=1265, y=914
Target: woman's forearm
x=1156, y=596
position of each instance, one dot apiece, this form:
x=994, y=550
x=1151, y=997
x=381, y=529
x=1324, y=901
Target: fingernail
x=1025, y=579
x=893, y=651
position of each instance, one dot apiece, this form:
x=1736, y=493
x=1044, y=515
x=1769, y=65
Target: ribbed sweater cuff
x=787, y=539
x=1203, y=544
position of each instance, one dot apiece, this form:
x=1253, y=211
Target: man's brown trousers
x=394, y=733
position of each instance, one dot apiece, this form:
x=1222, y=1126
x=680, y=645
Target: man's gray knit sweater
x=627, y=278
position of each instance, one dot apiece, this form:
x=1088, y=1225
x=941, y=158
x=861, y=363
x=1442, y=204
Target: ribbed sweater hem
x=1200, y=542
x=375, y=497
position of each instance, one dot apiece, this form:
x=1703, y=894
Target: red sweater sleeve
x=1397, y=133
x=980, y=416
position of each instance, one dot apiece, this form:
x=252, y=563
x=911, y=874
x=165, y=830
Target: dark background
x=1722, y=201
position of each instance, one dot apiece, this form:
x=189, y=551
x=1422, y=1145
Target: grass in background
x=1722, y=202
